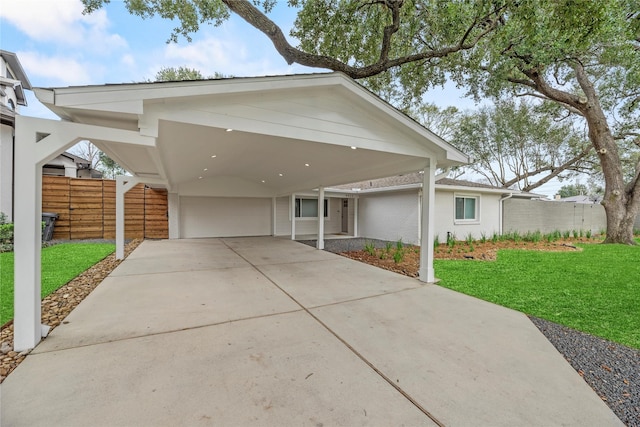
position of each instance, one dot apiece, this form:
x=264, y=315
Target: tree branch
x=258, y=20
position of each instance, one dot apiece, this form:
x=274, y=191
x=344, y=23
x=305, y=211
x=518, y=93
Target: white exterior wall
x=224, y=217
x=488, y=221
x=389, y=216
x=332, y=225
x=6, y=170
x=394, y=215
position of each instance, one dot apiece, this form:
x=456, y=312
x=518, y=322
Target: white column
x=355, y=217
x=320, y=241
x=273, y=216
x=173, y=202
x=426, y=273
x=293, y=217
x=123, y=185
x=27, y=243
x=120, y=217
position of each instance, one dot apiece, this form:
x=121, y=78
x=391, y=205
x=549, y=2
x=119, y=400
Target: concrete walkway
x=265, y=331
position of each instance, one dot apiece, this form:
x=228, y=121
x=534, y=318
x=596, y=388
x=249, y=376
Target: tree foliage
x=581, y=56
x=172, y=74
x=520, y=145
x=570, y=190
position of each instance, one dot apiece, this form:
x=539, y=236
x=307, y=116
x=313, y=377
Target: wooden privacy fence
x=86, y=209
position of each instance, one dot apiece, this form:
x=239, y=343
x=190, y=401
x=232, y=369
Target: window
x=466, y=208
x=308, y=208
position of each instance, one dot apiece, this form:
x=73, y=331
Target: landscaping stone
x=59, y=304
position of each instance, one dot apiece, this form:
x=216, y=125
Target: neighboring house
x=70, y=165
x=389, y=208
x=13, y=83
x=579, y=199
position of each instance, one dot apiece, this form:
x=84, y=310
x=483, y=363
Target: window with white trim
x=308, y=208
x=466, y=208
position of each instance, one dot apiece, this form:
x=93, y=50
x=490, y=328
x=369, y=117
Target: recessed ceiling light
x=206, y=169
x=213, y=156
x=280, y=174
x=263, y=180
x=199, y=177
x=353, y=148
x=306, y=164
x=229, y=130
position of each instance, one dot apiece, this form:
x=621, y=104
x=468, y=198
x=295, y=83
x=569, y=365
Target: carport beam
x=426, y=273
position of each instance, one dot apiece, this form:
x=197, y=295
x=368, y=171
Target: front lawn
x=596, y=290
x=60, y=264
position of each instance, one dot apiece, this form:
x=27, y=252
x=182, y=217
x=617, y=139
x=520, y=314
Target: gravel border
x=612, y=370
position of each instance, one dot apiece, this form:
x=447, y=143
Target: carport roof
x=258, y=136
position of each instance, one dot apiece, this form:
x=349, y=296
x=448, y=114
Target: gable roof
x=18, y=73
x=262, y=131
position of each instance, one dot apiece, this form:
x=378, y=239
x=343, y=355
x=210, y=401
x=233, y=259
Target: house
x=237, y=156
x=389, y=208
x=70, y=165
x=13, y=83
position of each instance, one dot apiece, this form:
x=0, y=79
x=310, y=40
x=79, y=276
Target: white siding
x=6, y=170
x=224, y=217
x=395, y=215
x=389, y=216
x=489, y=221
x=332, y=225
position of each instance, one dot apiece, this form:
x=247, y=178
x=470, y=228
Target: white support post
x=320, y=241
x=355, y=217
x=27, y=244
x=274, y=223
x=173, y=202
x=293, y=217
x=426, y=273
x=30, y=155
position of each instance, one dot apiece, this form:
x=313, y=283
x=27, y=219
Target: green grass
x=596, y=291
x=60, y=264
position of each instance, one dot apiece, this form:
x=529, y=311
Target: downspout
x=501, y=213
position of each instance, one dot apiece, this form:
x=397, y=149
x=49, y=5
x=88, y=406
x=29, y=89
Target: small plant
x=398, y=256
x=6, y=234
x=495, y=237
x=471, y=248
x=566, y=234
x=483, y=237
x=581, y=233
x=551, y=237
x=370, y=248
x=388, y=246
x=451, y=240
x=399, y=245
x=436, y=242
x=588, y=234
x=469, y=239
x=575, y=233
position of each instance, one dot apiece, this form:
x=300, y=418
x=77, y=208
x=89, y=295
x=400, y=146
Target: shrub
x=451, y=240
x=588, y=234
x=436, y=242
x=370, y=248
x=469, y=238
x=6, y=234
x=399, y=245
x=388, y=246
x=566, y=234
x=398, y=256
x=483, y=237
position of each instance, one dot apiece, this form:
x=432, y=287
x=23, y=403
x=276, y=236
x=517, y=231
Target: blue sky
x=59, y=46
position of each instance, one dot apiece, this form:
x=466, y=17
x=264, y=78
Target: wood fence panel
x=55, y=199
x=156, y=225
x=87, y=209
x=85, y=203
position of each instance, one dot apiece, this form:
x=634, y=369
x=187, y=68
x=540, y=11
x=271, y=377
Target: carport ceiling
x=261, y=131
x=281, y=164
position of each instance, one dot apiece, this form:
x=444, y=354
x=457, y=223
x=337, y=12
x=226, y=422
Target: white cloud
x=60, y=21
x=55, y=70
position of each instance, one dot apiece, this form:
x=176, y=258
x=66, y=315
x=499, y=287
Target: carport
x=226, y=150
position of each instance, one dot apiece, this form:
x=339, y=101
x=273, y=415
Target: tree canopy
x=580, y=57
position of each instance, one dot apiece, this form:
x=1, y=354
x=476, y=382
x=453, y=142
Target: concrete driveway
x=265, y=331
